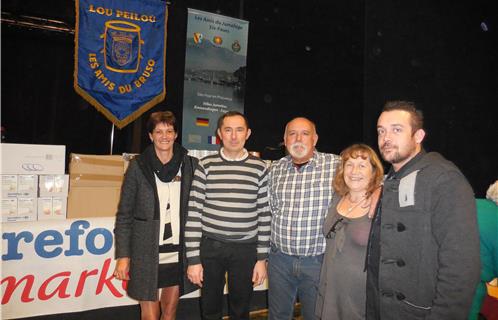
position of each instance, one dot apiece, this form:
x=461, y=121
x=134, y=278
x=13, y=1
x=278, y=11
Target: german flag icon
x=202, y=122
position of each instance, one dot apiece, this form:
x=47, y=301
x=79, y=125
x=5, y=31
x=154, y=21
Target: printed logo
x=32, y=167
x=217, y=40
x=194, y=138
x=236, y=46
x=122, y=44
x=198, y=37
x=121, y=49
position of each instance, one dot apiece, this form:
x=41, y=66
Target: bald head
x=300, y=120
x=300, y=139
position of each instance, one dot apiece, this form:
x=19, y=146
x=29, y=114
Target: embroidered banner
x=215, y=75
x=120, y=56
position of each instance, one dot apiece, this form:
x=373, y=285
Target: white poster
x=61, y=266
x=215, y=75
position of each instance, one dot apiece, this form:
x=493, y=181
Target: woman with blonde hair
x=342, y=289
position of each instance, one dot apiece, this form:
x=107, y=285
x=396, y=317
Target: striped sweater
x=228, y=202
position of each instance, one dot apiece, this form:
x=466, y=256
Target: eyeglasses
x=338, y=224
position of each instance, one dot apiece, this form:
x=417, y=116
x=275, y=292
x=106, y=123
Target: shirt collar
x=313, y=161
x=244, y=155
x=407, y=166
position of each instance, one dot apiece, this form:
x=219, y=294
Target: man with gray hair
x=300, y=191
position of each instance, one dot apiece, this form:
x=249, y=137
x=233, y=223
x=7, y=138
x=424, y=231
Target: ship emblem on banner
x=120, y=56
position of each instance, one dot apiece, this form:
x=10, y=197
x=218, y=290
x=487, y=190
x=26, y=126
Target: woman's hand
x=122, y=268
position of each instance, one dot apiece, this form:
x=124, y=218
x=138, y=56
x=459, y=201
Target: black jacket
x=137, y=227
x=429, y=243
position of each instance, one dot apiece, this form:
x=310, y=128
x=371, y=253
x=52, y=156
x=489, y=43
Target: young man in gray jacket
x=423, y=255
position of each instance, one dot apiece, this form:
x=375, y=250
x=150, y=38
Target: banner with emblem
x=120, y=54
x=215, y=75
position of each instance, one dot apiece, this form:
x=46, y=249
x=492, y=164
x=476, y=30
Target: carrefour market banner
x=215, y=75
x=51, y=267
x=61, y=266
x=120, y=56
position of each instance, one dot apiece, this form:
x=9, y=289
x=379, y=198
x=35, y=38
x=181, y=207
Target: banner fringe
x=97, y=105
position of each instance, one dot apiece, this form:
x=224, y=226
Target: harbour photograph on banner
x=215, y=75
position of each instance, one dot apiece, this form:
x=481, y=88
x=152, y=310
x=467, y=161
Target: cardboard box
x=27, y=185
x=127, y=157
x=59, y=207
x=95, y=170
x=9, y=208
x=9, y=185
x=201, y=153
x=20, y=185
x=52, y=208
x=54, y=185
x=27, y=209
x=32, y=158
x=85, y=202
x=17, y=209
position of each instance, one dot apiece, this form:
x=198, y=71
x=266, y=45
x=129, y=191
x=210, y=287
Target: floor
x=263, y=314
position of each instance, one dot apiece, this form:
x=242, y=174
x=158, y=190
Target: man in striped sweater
x=228, y=224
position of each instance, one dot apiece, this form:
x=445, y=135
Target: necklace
x=355, y=204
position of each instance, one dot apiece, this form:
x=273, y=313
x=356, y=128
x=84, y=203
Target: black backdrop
x=336, y=62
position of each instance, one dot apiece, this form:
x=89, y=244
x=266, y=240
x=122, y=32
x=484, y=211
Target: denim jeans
x=291, y=277
x=235, y=259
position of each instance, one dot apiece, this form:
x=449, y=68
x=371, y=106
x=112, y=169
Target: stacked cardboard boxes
x=95, y=185
x=53, y=193
x=34, y=186
x=33, y=182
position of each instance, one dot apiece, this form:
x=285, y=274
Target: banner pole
x=112, y=138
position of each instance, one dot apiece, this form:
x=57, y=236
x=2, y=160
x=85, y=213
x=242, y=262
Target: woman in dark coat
x=150, y=221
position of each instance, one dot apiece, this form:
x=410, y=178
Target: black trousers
x=235, y=259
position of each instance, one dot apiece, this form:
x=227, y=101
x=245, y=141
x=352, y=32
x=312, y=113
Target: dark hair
x=355, y=151
x=161, y=117
x=416, y=115
x=232, y=114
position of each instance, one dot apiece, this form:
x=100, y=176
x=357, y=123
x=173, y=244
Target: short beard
x=396, y=156
x=298, y=154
